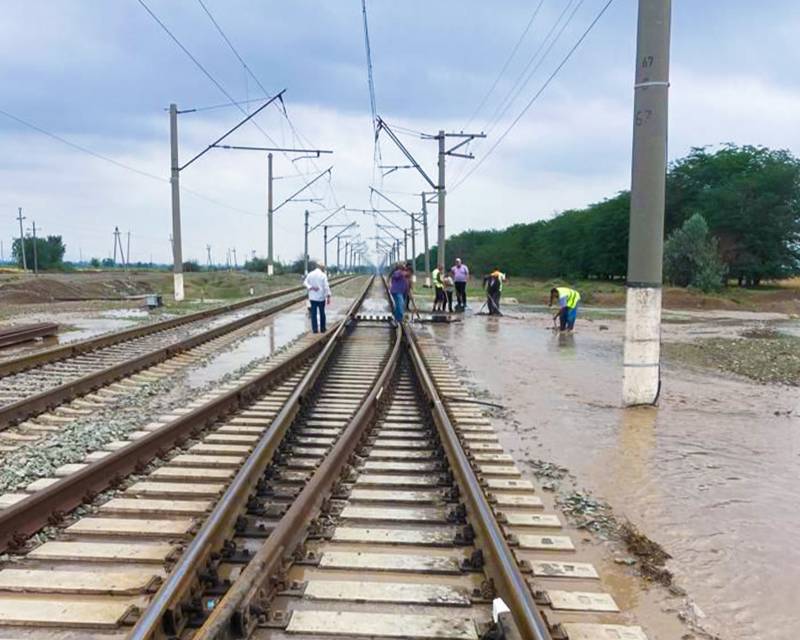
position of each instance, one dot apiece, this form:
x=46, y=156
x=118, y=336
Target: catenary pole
x=177, y=256
x=128, y=251
x=305, y=245
x=270, y=267
x=440, y=190
x=325, y=245
x=425, y=240
x=414, y=248
x=642, y=352
x=35, y=253
x=20, y=217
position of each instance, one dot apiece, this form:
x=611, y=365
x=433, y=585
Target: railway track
x=33, y=384
x=336, y=495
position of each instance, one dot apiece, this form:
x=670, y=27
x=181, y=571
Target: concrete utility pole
x=128, y=252
x=174, y=179
x=271, y=209
x=20, y=217
x=439, y=187
x=440, y=193
x=325, y=245
x=270, y=264
x=116, y=237
x=305, y=244
x=425, y=240
x=35, y=254
x=176, y=168
x=642, y=354
x=235, y=260
x=208, y=253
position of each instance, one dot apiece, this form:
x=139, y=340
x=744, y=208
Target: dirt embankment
x=53, y=288
x=777, y=300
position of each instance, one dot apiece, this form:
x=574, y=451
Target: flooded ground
x=711, y=474
x=268, y=336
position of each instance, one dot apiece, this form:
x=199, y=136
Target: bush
x=691, y=256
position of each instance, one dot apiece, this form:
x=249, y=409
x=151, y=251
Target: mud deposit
x=711, y=475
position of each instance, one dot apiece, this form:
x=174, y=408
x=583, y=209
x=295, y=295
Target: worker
x=568, y=300
x=319, y=294
x=410, y=280
x=448, y=283
x=398, y=287
x=460, y=273
x=493, y=283
x=438, y=287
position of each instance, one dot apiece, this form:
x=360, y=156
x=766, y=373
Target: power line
x=376, y=153
x=505, y=65
x=250, y=72
x=521, y=83
x=226, y=105
x=232, y=48
x=80, y=148
x=538, y=93
x=121, y=165
x=526, y=74
x=187, y=52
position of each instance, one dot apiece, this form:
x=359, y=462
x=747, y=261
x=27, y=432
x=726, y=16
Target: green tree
x=691, y=256
x=49, y=252
x=750, y=197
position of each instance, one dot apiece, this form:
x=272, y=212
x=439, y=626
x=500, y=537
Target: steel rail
x=25, y=333
x=71, y=350
x=237, y=613
x=165, y=615
x=31, y=514
x=501, y=564
x=33, y=405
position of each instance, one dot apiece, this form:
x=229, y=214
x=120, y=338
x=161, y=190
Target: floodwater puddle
x=270, y=335
x=711, y=474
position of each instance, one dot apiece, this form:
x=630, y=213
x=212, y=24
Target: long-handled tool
x=413, y=303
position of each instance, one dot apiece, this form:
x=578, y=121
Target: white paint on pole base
x=177, y=279
x=270, y=270
x=642, y=356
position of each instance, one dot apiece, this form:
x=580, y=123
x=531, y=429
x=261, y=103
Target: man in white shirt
x=319, y=294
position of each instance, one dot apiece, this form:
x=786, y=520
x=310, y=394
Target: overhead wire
x=536, y=96
x=506, y=64
x=376, y=150
x=527, y=73
x=122, y=165
x=524, y=77
x=205, y=72
x=249, y=72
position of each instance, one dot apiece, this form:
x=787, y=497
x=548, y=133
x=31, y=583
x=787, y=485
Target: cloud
x=107, y=72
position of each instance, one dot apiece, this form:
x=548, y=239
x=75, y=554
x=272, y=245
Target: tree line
x=748, y=197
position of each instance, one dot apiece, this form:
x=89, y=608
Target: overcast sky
x=100, y=74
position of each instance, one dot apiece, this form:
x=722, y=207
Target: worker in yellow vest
x=568, y=300
x=438, y=287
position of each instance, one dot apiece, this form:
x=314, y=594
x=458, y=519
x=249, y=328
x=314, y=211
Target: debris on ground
x=651, y=555
x=761, y=354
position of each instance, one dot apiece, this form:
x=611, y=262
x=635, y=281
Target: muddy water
x=269, y=335
x=712, y=474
